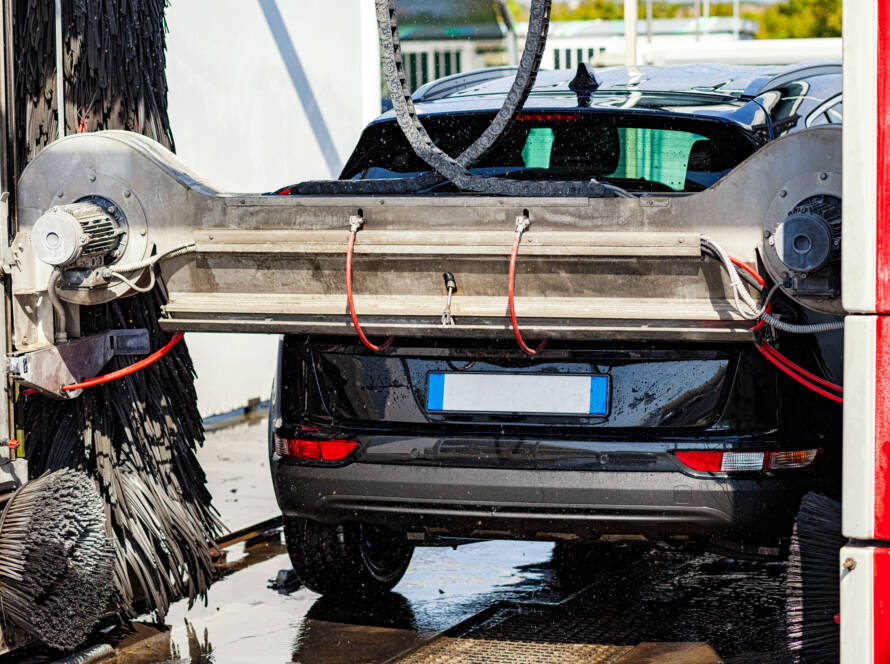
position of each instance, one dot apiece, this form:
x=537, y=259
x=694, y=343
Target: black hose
x=422, y=144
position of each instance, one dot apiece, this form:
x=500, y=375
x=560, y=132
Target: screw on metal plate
x=823, y=176
x=451, y=288
x=849, y=564
x=783, y=193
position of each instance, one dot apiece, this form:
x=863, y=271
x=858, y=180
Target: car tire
x=346, y=558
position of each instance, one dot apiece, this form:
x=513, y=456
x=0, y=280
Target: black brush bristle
x=114, y=70
x=56, y=561
x=813, y=585
x=137, y=437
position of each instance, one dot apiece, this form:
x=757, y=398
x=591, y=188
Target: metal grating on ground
x=661, y=598
x=515, y=634
x=449, y=650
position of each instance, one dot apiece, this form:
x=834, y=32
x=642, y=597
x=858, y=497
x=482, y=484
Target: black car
x=438, y=439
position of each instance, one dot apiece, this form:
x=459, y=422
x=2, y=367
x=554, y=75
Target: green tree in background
x=801, y=18
x=784, y=20
x=587, y=10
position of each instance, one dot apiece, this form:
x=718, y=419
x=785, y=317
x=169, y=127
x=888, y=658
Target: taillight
x=796, y=459
x=314, y=450
x=703, y=461
x=745, y=462
x=546, y=117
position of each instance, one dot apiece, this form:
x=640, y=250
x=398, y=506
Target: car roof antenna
x=584, y=84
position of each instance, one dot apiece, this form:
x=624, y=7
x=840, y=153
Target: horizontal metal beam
x=628, y=268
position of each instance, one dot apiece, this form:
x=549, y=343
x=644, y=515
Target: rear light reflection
x=314, y=450
x=546, y=117
x=740, y=462
x=796, y=459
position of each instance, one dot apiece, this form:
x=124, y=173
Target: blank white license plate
x=564, y=394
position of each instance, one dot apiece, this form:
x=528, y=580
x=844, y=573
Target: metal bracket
x=451, y=288
x=48, y=369
x=4, y=223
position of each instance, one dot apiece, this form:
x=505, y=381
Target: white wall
x=265, y=93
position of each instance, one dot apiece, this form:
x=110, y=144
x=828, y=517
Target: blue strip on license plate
x=546, y=394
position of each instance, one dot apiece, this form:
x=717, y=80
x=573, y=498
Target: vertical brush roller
x=56, y=561
x=114, y=65
x=812, y=584
x=136, y=436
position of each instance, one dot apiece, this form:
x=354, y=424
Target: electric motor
x=87, y=234
x=805, y=248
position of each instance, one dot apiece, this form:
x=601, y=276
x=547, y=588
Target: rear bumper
x=538, y=504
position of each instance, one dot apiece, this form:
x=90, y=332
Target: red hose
x=794, y=367
x=358, y=328
x=798, y=378
x=510, y=297
x=126, y=371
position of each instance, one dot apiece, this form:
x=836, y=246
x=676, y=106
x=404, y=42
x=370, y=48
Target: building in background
x=600, y=42
x=444, y=37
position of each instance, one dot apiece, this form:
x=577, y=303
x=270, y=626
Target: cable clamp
x=450, y=289
x=355, y=223
x=522, y=224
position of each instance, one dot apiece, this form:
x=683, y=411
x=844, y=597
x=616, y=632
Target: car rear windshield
x=643, y=153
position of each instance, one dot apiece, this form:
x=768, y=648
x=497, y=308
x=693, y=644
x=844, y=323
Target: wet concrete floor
x=246, y=621
x=486, y=601
x=489, y=600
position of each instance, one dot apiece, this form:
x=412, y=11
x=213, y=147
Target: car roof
x=714, y=90
x=734, y=80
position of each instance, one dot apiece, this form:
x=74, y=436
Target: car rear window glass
x=639, y=152
x=655, y=155
x=538, y=148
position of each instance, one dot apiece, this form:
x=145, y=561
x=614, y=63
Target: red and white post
x=864, y=564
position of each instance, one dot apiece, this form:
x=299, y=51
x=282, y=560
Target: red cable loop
x=750, y=270
x=794, y=367
x=358, y=329
x=510, y=297
x=798, y=378
x=126, y=371
x=793, y=370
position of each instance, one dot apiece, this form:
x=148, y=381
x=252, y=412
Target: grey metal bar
x=7, y=181
x=649, y=13
x=630, y=32
x=736, y=19
x=60, y=72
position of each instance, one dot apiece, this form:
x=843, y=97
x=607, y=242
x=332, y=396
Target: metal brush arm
x=589, y=268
